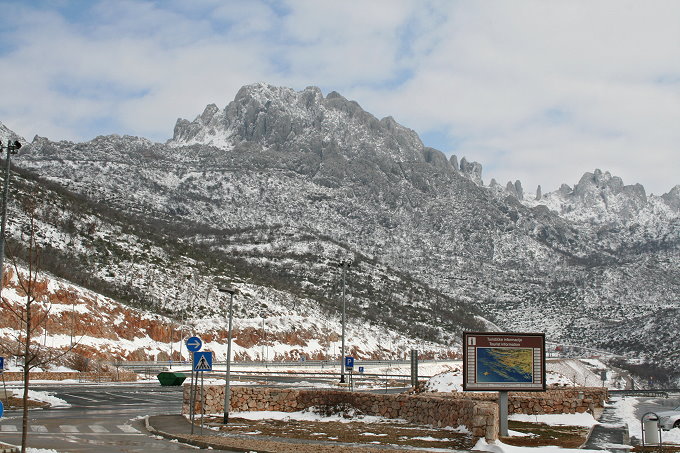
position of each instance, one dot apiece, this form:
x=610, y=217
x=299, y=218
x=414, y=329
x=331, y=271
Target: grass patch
x=15, y=403
x=541, y=435
x=387, y=433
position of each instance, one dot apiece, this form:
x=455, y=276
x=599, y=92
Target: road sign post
x=194, y=345
x=349, y=367
x=202, y=361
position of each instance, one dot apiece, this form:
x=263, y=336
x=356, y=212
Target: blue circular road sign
x=194, y=344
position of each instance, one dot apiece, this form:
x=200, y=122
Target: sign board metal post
x=503, y=412
x=414, y=368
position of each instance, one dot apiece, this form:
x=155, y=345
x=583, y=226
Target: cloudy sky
x=539, y=91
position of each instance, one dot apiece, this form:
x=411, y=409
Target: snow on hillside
x=102, y=328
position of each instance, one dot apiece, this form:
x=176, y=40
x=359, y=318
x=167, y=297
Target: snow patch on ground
x=500, y=447
x=626, y=409
x=310, y=415
x=47, y=397
x=583, y=419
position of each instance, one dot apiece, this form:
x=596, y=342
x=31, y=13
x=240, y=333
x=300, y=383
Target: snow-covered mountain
x=279, y=186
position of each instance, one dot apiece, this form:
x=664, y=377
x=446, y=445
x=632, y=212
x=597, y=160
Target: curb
x=8, y=448
x=195, y=443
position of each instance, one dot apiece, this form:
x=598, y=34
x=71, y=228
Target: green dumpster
x=169, y=378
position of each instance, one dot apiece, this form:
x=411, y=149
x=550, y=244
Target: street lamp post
x=344, y=265
x=227, y=389
x=12, y=148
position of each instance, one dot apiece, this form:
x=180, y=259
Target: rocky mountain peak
x=515, y=189
x=597, y=195
x=284, y=120
x=672, y=198
x=472, y=170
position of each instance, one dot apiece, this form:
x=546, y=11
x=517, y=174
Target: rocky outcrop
x=672, y=198
x=472, y=170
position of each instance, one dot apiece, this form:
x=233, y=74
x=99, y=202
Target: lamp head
x=227, y=289
x=13, y=147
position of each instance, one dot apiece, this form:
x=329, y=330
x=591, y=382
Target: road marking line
x=69, y=428
x=98, y=429
x=120, y=395
x=82, y=398
x=8, y=428
x=39, y=429
x=127, y=429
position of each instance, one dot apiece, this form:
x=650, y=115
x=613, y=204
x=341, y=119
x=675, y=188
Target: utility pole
x=227, y=389
x=344, y=265
x=12, y=148
x=263, y=338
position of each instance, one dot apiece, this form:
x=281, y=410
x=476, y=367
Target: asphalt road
x=102, y=418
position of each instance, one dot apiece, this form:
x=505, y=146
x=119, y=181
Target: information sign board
x=203, y=361
x=349, y=363
x=500, y=361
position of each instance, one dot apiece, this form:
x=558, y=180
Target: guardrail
x=651, y=393
x=267, y=364
x=297, y=370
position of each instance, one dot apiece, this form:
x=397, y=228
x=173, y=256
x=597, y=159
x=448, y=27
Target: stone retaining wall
x=567, y=400
x=112, y=376
x=476, y=411
x=480, y=417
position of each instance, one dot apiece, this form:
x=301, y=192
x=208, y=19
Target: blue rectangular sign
x=349, y=363
x=203, y=361
x=2, y=364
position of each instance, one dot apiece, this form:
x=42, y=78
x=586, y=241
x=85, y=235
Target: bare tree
x=30, y=314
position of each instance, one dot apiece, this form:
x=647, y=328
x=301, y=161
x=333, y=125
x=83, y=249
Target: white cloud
x=537, y=91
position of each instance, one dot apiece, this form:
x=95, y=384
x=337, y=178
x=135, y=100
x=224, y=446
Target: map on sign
x=505, y=365
x=504, y=361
